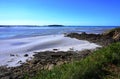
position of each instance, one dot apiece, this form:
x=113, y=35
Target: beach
x=13, y=51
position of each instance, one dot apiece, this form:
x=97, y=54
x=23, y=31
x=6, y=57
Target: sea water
x=27, y=31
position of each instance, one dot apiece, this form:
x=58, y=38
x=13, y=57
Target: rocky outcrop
x=102, y=39
x=114, y=34
x=95, y=38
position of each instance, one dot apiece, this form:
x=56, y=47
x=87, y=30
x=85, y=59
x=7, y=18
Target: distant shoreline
x=55, y=26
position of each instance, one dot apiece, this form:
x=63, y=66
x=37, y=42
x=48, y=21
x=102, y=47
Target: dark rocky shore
x=103, y=39
x=48, y=59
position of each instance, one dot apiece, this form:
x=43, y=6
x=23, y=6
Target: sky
x=63, y=12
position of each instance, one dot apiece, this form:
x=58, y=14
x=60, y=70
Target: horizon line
x=58, y=25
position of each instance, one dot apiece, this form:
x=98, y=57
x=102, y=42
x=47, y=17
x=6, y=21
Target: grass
x=114, y=71
x=94, y=66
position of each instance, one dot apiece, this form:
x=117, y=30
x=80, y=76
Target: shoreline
x=49, y=59
x=16, y=49
x=41, y=61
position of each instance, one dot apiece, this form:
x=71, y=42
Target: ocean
x=27, y=31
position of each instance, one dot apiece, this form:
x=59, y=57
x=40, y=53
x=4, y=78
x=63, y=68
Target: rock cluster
x=41, y=61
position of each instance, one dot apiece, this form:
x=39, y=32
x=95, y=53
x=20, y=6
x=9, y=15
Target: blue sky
x=65, y=12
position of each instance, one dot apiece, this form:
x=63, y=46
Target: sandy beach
x=12, y=51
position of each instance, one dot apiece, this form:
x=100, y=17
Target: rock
x=55, y=49
x=26, y=55
x=6, y=77
x=56, y=56
x=71, y=49
x=50, y=66
x=114, y=33
x=101, y=39
x=12, y=55
x=59, y=63
x=41, y=61
x=17, y=55
x=19, y=62
x=83, y=33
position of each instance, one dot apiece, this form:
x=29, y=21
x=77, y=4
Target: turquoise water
x=26, y=31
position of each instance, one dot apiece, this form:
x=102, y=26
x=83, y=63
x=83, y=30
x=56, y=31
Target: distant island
x=30, y=25
x=4, y=25
x=55, y=25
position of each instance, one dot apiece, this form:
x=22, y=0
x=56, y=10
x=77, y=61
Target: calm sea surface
x=23, y=31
